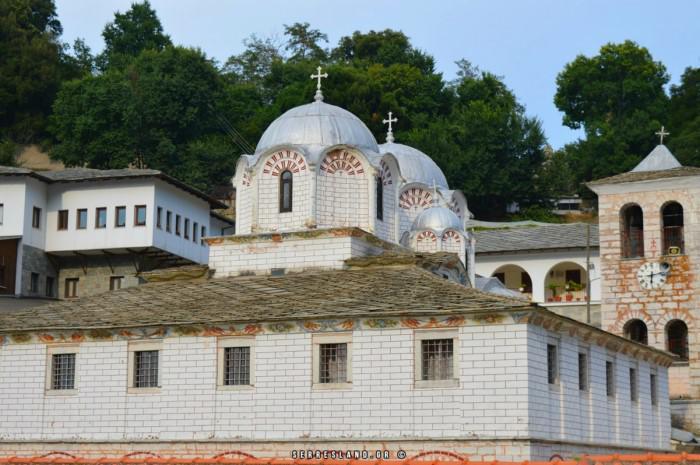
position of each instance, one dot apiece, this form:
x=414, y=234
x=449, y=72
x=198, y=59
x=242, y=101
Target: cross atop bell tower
x=390, y=133
x=661, y=135
x=319, y=95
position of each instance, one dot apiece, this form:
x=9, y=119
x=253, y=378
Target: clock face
x=653, y=275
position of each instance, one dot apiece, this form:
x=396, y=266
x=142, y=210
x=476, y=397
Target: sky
x=526, y=42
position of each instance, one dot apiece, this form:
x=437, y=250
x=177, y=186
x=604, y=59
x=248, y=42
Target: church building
x=342, y=316
x=650, y=267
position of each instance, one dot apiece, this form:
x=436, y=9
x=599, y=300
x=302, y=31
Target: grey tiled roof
x=636, y=176
x=88, y=174
x=553, y=236
x=402, y=290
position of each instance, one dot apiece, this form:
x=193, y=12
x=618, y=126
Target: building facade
x=79, y=232
x=650, y=252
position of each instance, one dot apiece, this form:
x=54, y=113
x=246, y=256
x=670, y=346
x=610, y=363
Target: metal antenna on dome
x=319, y=95
x=390, y=133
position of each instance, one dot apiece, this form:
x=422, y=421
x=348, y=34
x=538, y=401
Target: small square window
x=236, y=362
x=159, y=218
x=552, y=364
x=115, y=282
x=582, y=371
x=187, y=228
x=119, y=217
x=140, y=215
x=177, y=225
x=332, y=361
x=34, y=283
x=81, y=219
x=609, y=378
x=101, y=217
x=71, y=289
x=63, y=371
x=145, y=369
x=168, y=221
x=634, y=391
x=36, y=218
x=62, y=220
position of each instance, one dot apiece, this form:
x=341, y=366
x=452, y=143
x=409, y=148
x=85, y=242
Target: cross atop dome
x=661, y=135
x=390, y=133
x=319, y=95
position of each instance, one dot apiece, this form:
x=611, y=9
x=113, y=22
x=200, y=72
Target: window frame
x=168, y=221
x=282, y=183
x=584, y=385
x=116, y=216
x=36, y=217
x=97, y=217
x=202, y=235
x=610, y=379
x=229, y=342
x=115, y=279
x=186, y=229
x=334, y=338
x=664, y=228
x=136, y=215
x=682, y=358
x=73, y=295
x=143, y=346
x=77, y=218
x=178, y=224
x=634, y=384
x=2, y=213
x=379, y=194
x=195, y=228
x=626, y=240
x=553, y=370
x=58, y=349
x=62, y=220
x=159, y=217
x=421, y=335
x=33, y=282
x=653, y=388
x=50, y=283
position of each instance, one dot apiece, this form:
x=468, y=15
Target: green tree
x=304, y=42
x=146, y=115
x=684, y=118
x=255, y=63
x=618, y=98
x=129, y=34
x=31, y=68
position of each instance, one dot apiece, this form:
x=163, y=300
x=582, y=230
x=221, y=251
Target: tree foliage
x=684, y=118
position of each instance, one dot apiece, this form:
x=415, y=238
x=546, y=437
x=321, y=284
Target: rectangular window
x=145, y=369
x=333, y=363
x=62, y=220
x=652, y=388
x=159, y=217
x=115, y=282
x=49, y=286
x=236, y=366
x=81, y=219
x=71, y=289
x=552, y=368
x=34, y=283
x=437, y=359
x=2, y=212
x=36, y=218
x=572, y=275
x=177, y=225
x=63, y=371
x=582, y=371
x=140, y=215
x=203, y=235
x=100, y=217
x=634, y=392
x=187, y=228
x=168, y=221
x=609, y=379
x=119, y=217
x=195, y=228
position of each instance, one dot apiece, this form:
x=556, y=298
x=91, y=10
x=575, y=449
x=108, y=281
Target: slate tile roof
x=553, y=236
x=636, y=176
x=398, y=290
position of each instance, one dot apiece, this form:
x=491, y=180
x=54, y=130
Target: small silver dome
x=319, y=125
x=415, y=166
x=438, y=219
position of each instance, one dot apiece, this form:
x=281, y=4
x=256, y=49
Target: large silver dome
x=317, y=125
x=438, y=219
x=415, y=166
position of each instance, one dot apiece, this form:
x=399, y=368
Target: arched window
x=380, y=199
x=286, y=191
x=677, y=338
x=672, y=223
x=636, y=330
x=632, y=238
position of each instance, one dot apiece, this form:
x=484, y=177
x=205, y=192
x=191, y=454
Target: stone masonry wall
x=36, y=261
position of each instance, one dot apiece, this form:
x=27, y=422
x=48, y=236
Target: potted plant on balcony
x=553, y=287
x=572, y=286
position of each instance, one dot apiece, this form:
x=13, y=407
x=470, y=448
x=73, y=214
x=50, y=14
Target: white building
x=546, y=262
x=339, y=317
x=80, y=231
